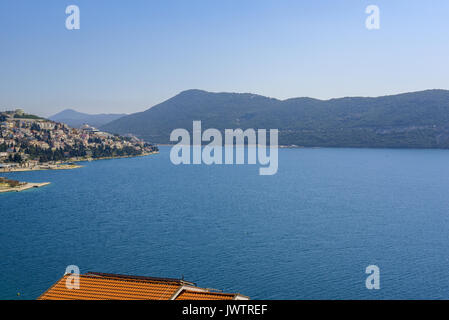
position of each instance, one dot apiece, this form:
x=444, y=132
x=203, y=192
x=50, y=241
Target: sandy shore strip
x=23, y=187
x=64, y=166
x=42, y=167
x=117, y=157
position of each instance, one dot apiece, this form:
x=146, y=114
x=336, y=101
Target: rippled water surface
x=307, y=232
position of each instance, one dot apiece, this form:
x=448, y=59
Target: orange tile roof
x=103, y=286
x=192, y=295
x=100, y=288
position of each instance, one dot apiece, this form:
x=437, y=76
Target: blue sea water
x=307, y=232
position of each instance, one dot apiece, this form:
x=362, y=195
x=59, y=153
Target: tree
x=18, y=158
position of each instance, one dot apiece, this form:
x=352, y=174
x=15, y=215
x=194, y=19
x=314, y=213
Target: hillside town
x=28, y=142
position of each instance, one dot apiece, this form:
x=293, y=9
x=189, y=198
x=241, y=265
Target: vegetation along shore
x=29, y=143
x=7, y=185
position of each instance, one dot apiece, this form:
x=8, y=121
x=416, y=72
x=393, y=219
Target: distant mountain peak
x=67, y=111
x=76, y=119
x=193, y=91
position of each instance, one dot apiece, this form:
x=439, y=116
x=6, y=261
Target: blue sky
x=130, y=55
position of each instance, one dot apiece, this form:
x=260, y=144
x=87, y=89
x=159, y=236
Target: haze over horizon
x=129, y=57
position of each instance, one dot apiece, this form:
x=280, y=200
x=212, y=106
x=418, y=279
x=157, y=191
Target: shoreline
x=43, y=168
x=68, y=164
x=25, y=186
x=110, y=158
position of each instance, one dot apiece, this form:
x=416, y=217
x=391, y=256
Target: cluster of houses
x=18, y=130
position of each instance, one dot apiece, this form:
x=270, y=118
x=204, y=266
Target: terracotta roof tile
x=103, y=286
x=193, y=295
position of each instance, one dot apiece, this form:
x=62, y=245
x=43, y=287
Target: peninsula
x=28, y=142
x=7, y=185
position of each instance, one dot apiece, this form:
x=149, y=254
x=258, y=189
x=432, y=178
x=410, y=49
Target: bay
x=307, y=232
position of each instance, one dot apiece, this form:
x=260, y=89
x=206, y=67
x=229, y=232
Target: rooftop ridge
x=212, y=293
x=139, y=278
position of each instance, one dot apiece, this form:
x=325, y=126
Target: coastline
x=68, y=164
x=109, y=158
x=25, y=186
x=42, y=168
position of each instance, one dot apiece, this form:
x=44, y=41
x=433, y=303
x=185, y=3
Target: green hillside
x=410, y=120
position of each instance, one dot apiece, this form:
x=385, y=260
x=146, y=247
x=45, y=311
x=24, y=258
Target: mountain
x=409, y=120
x=77, y=119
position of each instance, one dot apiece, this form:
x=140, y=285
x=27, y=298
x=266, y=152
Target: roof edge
x=144, y=278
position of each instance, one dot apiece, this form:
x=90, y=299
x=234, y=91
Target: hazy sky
x=130, y=55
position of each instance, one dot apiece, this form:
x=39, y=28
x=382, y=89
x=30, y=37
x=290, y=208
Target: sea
x=308, y=232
